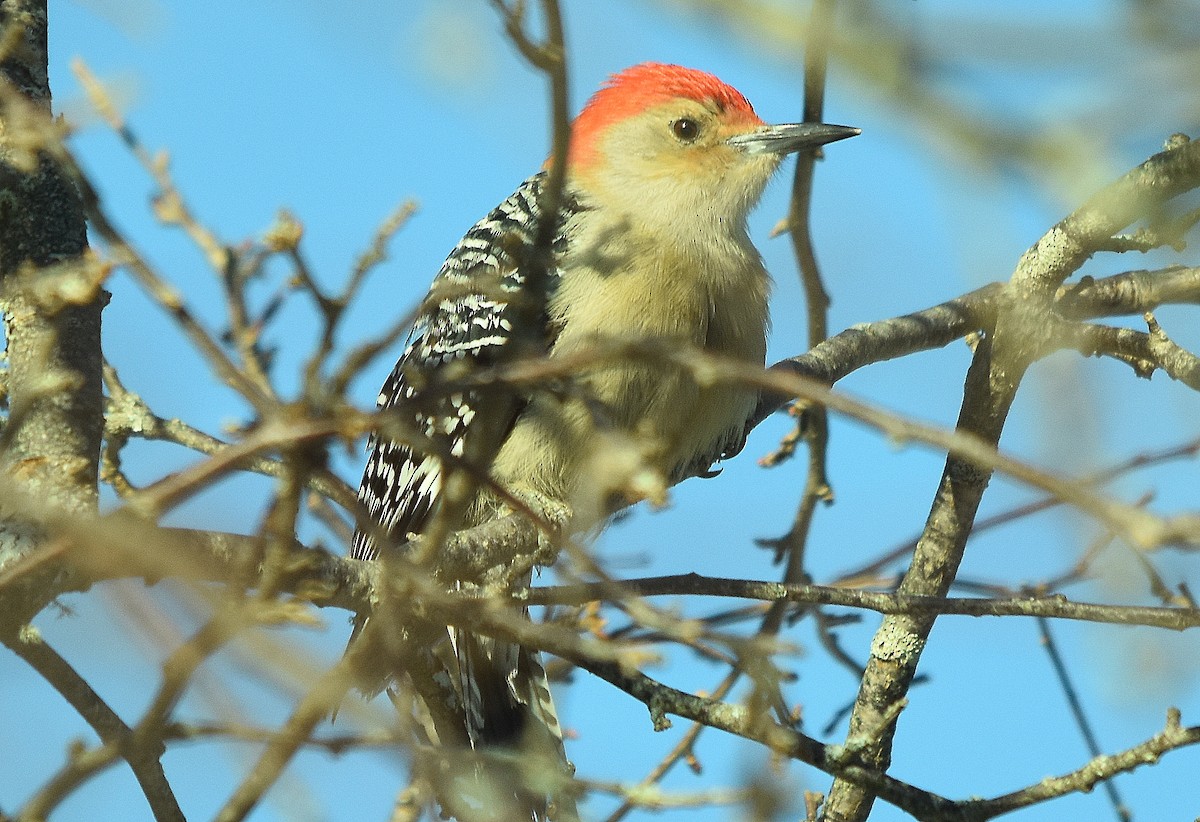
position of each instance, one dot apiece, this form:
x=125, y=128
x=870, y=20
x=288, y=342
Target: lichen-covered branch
x=1022, y=332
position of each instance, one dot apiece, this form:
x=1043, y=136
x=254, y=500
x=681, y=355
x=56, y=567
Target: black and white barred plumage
x=490, y=690
x=465, y=317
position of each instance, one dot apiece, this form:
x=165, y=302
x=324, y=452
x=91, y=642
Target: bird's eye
x=686, y=129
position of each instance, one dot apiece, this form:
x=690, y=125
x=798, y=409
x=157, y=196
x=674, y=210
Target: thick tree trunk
x=50, y=445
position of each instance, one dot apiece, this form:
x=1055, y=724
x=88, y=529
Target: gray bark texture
x=51, y=439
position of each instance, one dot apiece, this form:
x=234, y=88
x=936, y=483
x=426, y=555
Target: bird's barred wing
x=466, y=317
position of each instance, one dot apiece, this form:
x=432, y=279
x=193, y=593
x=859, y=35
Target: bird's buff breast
x=622, y=414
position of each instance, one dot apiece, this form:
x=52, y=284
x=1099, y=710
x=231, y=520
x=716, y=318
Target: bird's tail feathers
x=510, y=718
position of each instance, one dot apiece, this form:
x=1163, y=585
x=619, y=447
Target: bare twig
x=813, y=419
x=143, y=760
x=1100, y=769
x=1081, y=720
x=315, y=706
x=129, y=416
x=1054, y=606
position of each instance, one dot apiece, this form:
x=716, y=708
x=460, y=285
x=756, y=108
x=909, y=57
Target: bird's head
x=664, y=137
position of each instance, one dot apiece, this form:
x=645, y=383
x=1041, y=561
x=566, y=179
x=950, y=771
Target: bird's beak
x=789, y=137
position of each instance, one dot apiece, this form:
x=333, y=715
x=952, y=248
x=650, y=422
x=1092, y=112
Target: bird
x=651, y=244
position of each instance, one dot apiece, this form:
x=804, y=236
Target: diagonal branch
x=991, y=386
x=113, y=732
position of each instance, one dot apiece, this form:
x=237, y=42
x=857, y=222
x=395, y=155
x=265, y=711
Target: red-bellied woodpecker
x=664, y=165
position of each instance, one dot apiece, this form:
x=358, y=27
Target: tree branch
x=1054, y=606
x=143, y=761
x=1020, y=336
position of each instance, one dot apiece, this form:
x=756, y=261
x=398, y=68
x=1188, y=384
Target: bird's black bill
x=789, y=137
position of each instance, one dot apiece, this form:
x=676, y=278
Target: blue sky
x=339, y=115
